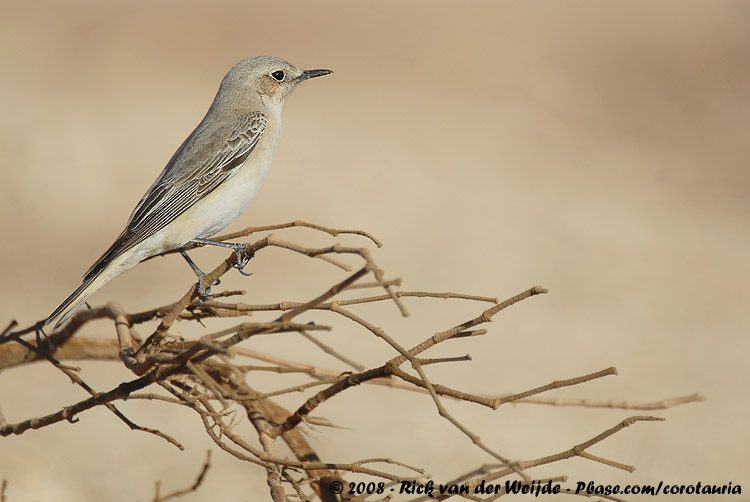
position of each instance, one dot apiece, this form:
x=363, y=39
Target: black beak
x=312, y=74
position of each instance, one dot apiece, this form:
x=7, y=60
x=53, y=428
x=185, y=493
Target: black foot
x=243, y=258
x=42, y=339
x=204, y=292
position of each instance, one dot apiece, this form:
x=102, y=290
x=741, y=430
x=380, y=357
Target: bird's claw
x=243, y=259
x=205, y=292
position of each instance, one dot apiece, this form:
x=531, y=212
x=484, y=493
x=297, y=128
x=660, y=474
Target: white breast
x=224, y=204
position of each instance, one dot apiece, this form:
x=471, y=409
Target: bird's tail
x=71, y=304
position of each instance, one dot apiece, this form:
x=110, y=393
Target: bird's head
x=269, y=77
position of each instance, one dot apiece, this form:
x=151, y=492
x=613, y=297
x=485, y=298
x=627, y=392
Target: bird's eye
x=278, y=75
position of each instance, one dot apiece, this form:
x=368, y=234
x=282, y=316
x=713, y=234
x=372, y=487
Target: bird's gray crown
x=270, y=77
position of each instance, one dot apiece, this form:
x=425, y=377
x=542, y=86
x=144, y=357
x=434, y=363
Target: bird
x=209, y=181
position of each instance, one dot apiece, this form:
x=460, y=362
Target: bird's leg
x=242, y=258
x=42, y=339
x=204, y=292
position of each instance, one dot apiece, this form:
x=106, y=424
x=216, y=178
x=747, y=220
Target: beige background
x=594, y=148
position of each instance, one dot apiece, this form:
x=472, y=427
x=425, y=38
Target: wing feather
x=189, y=176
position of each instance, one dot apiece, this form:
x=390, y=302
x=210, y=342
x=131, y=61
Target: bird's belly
x=229, y=200
x=219, y=208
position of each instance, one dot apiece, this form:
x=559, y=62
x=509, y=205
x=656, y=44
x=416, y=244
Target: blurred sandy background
x=597, y=149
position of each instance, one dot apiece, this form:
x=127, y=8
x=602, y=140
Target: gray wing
x=204, y=161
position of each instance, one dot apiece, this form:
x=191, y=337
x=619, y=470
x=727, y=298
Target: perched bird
x=211, y=178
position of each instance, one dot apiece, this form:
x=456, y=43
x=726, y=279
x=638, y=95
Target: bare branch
x=208, y=375
x=193, y=488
